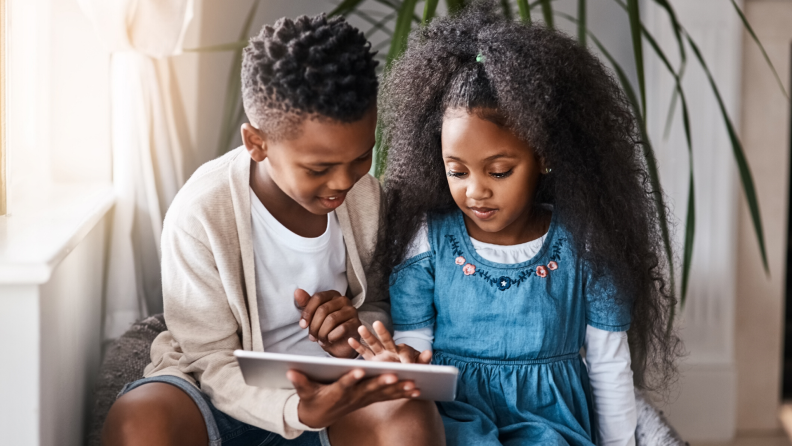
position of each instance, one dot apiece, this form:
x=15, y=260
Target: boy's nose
x=343, y=181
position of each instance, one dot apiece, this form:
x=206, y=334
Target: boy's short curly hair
x=310, y=66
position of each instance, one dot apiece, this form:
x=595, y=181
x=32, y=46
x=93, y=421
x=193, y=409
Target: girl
x=520, y=228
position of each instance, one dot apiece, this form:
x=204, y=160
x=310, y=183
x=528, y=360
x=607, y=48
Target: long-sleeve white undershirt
x=607, y=353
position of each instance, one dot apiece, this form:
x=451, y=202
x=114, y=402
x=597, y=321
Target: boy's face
x=317, y=167
x=492, y=174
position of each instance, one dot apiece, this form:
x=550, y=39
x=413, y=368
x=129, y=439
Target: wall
x=52, y=332
x=760, y=298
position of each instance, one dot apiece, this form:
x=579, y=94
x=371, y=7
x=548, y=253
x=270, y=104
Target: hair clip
x=481, y=58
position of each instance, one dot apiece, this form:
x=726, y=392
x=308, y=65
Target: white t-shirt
x=284, y=262
x=607, y=353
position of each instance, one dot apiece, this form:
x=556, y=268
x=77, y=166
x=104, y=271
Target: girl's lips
x=483, y=213
x=332, y=201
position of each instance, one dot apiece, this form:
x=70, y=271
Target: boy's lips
x=483, y=213
x=332, y=201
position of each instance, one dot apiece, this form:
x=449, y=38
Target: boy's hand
x=330, y=319
x=384, y=349
x=322, y=405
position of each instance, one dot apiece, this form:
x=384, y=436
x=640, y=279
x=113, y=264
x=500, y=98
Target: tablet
x=436, y=382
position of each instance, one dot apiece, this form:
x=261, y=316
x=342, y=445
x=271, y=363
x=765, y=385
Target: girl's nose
x=477, y=190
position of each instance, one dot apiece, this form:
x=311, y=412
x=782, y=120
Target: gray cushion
x=126, y=358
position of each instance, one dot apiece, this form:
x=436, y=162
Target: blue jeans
x=224, y=430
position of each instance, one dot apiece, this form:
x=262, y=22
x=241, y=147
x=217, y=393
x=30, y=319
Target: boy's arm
x=204, y=324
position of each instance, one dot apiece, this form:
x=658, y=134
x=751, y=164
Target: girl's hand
x=384, y=349
x=321, y=405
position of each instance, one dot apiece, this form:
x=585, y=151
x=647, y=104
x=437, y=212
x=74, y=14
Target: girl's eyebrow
x=487, y=159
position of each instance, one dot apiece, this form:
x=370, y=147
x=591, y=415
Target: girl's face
x=492, y=175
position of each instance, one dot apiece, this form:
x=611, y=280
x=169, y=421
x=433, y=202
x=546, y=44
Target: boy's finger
x=304, y=386
x=301, y=298
x=328, y=313
x=385, y=337
x=361, y=349
x=372, y=341
x=344, y=324
x=350, y=378
x=313, y=303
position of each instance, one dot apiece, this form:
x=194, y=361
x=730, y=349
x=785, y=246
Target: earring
x=547, y=170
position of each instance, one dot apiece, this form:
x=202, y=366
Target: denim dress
x=514, y=331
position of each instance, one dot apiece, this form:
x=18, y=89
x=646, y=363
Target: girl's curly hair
x=558, y=97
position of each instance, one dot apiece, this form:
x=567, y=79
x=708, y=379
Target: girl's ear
x=255, y=142
x=544, y=168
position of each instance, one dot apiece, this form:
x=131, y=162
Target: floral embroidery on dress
x=503, y=283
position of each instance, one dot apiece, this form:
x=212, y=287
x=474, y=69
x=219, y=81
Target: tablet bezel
x=436, y=382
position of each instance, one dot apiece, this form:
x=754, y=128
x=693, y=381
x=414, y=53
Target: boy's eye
x=317, y=173
x=454, y=174
x=502, y=174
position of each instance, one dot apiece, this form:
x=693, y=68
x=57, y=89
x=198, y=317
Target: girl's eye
x=501, y=174
x=453, y=174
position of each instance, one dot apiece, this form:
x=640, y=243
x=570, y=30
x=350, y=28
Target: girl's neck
x=533, y=224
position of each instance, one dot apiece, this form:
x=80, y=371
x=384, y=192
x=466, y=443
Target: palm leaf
x=402, y=30
x=635, y=31
x=454, y=5
x=507, y=10
x=648, y=152
x=231, y=107
x=345, y=7
x=761, y=47
x=582, y=27
x=429, y=11
x=690, y=221
x=739, y=157
x=376, y=25
x=547, y=12
x=525, y=10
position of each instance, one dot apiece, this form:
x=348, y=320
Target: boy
x=267, y=249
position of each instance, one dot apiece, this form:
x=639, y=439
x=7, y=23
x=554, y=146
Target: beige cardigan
x=209, y=288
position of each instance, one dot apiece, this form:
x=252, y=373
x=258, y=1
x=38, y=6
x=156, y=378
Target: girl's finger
x=425, y=357
x=361, y=349
x=385, y=337
x=372, y=341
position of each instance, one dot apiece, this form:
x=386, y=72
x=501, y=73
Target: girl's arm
x=608, y=364
x=420, y=339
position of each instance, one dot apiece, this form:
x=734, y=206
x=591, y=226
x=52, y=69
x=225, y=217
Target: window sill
x=37, y=235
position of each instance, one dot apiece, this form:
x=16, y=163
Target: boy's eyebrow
x=335, y=164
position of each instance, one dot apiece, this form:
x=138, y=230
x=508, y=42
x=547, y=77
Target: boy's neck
x=288, y=212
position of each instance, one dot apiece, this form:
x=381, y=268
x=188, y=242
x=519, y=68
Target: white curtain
x=147, y=153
